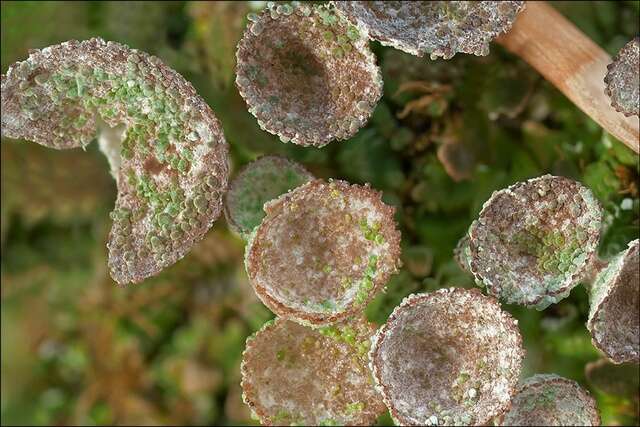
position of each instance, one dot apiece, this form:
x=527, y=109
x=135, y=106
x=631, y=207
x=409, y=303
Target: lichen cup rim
x=130, y=98
x=413, y=300
x=593, y=213
x=317, y=124
x=274, y=158
x=476, y=42
x=385, y=240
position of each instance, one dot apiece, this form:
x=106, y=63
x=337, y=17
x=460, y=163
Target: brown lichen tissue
x=551, y=400
x=165, y=146
x=615, y=303
x=306, y=74
x=534, y=241
x=323, y=251
x=295, y=375
x=451, y=357
x=439, y=28
x=623, y=79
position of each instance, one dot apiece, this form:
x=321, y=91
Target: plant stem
x=572, y=62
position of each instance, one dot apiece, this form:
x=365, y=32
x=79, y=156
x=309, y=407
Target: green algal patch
x=350, y=335
x=259, y=182
x=354, y=408
x=555, y=251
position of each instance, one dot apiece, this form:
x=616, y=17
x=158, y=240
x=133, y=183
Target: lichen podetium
x=439, y=28
x=164, y=144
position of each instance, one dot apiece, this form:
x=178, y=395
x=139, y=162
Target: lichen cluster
x=318, y=253
x=534, y=241
x=323, y=251
x=547, y=399
x=258, y=182
x=614, y=305
x=165, y=146
x=295, y=375
x=451, y=357
x=532, y=250
x=306, y=74
x=623, y=79
x=439, y=28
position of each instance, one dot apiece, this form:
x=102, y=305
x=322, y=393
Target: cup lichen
x=165, y=146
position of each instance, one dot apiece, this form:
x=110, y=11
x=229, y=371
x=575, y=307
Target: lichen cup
x=451, y=357
x=535, y=241
x=293, y=374
x=306, y=74
x=323, y=251
x=164, y=144
x=439, y=28
x=551, y=400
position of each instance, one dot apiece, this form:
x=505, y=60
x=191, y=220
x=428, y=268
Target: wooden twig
x=572, y=62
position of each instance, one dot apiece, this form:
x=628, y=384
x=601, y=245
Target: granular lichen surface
x=166, y=148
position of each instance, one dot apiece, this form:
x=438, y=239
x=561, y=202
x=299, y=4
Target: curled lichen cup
x=451, y=357
x=439, y=28
x=306, y=74
x=295, y=375
x=164, y=144
x=323, y=251
x=614, y=321
x=258, y=182
x=534, y=241
x=623, y=79
x=550, y=400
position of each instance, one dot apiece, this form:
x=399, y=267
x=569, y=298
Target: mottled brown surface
x=305, y=77
x=614, y=320
x=294, y=374
x=311, y=255
x=451, y=357
x=550, y=400
x=439, y=28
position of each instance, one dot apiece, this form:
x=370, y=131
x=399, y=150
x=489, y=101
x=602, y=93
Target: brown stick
x=572, y=62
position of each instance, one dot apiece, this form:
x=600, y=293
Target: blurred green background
x=76, y=349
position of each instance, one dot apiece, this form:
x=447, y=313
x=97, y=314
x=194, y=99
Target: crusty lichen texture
x=534, y=241
x=623, y=79
x=614, y=320
x=323, y=251
x=258, y=182
x=306, y=74
x=295, y=375
x=438, y=28
x=551, y=400
x=451, y=357
x=164, y=144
